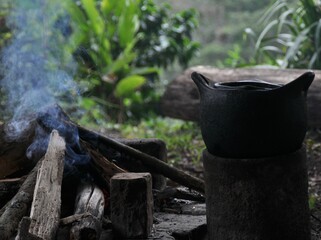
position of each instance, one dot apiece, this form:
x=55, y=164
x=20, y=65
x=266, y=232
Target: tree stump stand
x=131, y=204
x=257, y=199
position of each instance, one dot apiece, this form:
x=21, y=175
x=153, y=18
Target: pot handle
x=201, y=81
x=302, y=83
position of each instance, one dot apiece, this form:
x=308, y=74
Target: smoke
x=37, y=68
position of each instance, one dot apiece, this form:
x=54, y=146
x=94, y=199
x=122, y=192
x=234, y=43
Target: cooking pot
x=253, y=118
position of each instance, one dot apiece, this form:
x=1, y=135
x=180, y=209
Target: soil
x=313, y=146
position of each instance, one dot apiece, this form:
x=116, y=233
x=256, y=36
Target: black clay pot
x=250, y=119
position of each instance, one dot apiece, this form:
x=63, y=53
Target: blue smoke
x=36, y=65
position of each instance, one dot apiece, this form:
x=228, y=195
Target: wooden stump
x=258, y=198
x=131, y=203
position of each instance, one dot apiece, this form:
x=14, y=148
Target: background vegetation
x=128, y=50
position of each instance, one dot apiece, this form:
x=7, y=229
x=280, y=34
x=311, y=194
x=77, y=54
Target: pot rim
x=247, y=85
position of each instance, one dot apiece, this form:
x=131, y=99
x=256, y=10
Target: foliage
x=291, y=35
x=121, y=43
x=182, y=138
x=165, y=37
x=5, y=34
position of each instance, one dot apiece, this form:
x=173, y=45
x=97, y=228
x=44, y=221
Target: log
x=45, y=210
x=153, y=147
x=150, y=162
x=102, y=167
x=8, y=188
x=181, y=98
x=131, y=204
x=18, y=206
x=14, y=144
x=89, y=208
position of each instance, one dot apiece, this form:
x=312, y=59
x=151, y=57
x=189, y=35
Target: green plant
x=118, y=44
x=291, y=35
x=183, y=139
x=104, y=36
x=166, y=37
x=5, y=33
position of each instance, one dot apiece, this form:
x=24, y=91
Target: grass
x=183, y=139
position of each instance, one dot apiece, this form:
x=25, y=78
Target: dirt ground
x=313, y=146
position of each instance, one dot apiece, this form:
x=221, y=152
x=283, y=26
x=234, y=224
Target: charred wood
x=89, y=211
x=178, y=193
x=131, y=203
x=150, y=162
x=18, y=206
x=96, y=140
x=8, y=188
x=14, y=143
x=101, y=166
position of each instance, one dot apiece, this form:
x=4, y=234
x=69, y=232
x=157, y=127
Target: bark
x=45, y=210
x=8, y=188
x=18, y=206
x=152, y=163
x=89, y=205
x=14, y=144
x=131, y=204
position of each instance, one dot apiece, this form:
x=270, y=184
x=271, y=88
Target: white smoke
x=36, y=68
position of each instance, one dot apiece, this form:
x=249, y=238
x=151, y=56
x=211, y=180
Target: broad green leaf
x=96, y=21
x=127, y=56
x=128, y=85
x=128, y=23
x=264, y=32
x=145, y=70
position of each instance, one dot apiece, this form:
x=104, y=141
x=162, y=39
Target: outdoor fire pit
x=59, y=180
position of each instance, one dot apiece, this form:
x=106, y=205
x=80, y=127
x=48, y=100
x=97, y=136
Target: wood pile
x=59, y=180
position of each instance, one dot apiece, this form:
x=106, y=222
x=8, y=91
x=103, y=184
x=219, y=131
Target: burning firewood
x=151, y=162
x=89, y=205
x=101, y=165
x=68, y=129
x=18, y=206
x=45, y=210
x=14, y=146
x=9, y=187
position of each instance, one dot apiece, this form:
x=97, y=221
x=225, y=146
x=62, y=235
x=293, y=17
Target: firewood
x=179, y=193
x=45, y=210
x=9, y=187
x=151, y=146
x=131, y=204
x=89, y=206
x=13, y=147
x=151, y=162
x=18, y=206
x=101, y=165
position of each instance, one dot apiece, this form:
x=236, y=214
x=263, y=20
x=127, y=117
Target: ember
x=64, y=155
